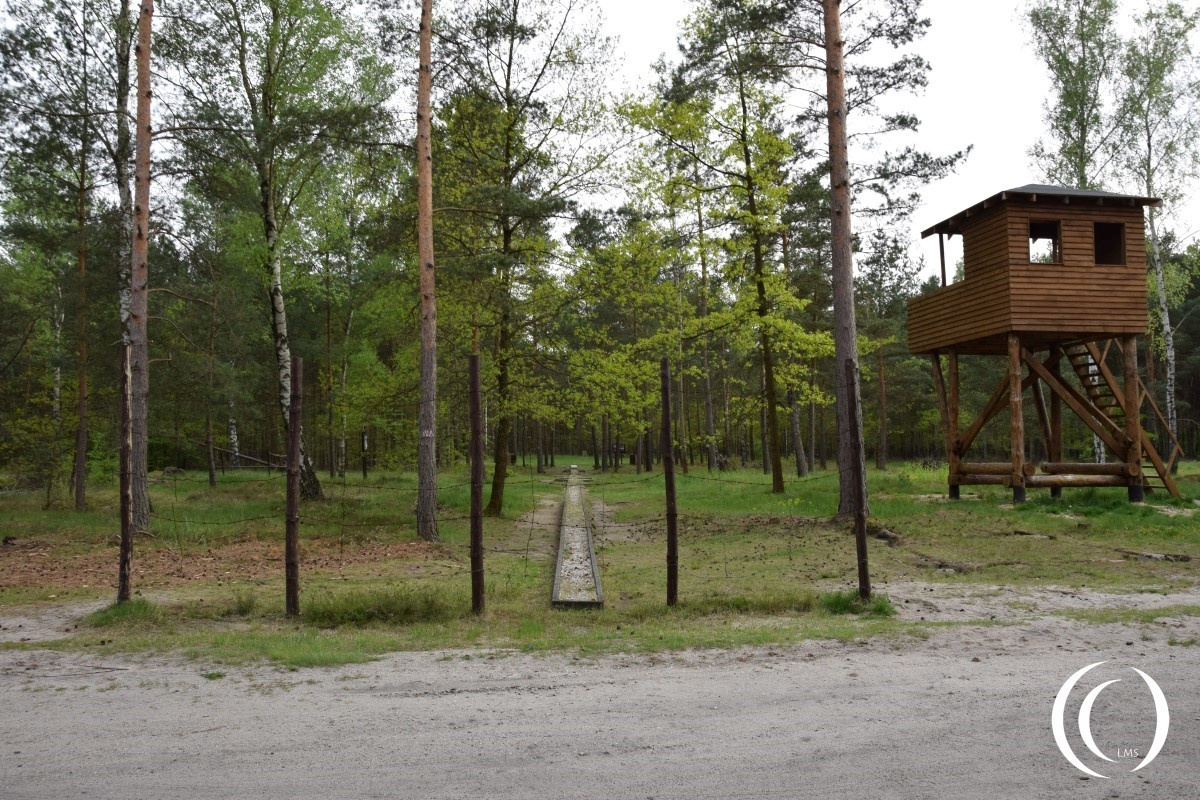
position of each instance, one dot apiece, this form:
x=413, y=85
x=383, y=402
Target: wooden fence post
x=668, y=459
x=125, y=558
x=860, y=488
x=476, y=486
x=292, y=535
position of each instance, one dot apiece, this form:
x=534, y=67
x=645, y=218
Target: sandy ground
x=962, y=714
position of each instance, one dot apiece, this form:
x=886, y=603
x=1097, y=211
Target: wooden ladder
x=1101, y=386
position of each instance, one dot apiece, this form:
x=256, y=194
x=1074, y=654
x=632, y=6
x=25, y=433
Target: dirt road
x=962, y=714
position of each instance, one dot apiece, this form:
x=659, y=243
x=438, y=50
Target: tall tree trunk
x=824, y=448
x=310, y=484
x=122, y=156
x=235, y=457
x=139, y=287
x=504, y=427
x=209, y=448
x=427, y=416
x=812, y=416
x=771, y=442
x=1167, y=334
x=845, y=329
x=58, y=318
x=541, y=450
x=605, y=444
x=797, y=440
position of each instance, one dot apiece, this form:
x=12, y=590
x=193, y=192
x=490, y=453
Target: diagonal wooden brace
x=1092, y=416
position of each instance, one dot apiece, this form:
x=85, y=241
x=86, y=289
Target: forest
x=577, y=235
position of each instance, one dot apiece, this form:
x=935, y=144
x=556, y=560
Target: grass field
x=755, y=568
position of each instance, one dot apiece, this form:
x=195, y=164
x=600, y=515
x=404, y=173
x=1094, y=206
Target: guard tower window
x=1045, y=241
x=1110, y=242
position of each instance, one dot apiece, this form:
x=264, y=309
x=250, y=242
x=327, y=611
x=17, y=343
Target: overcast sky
x=986, y=88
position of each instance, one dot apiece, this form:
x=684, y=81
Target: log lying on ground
x=1077, y=480
x=976, y=479
x=992, y=468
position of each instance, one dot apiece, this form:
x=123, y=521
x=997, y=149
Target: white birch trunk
x=235, y=458
x=1167, y=334
x=310, y=485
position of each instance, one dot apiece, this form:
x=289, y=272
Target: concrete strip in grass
x=576, y=577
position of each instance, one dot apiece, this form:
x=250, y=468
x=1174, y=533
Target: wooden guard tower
x=1055, y=282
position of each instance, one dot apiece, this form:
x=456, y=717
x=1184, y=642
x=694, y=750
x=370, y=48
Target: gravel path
x=962, y=714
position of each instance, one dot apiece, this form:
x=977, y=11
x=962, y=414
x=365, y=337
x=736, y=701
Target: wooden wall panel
x=959, y=313
x=1077, y=220
x=1070, y=298
x=1052, y=303
x=983, y=243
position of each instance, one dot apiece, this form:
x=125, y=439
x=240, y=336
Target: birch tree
x=1158, y=103
x=274, y=85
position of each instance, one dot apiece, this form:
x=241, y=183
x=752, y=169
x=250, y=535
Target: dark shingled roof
x=1036, y=192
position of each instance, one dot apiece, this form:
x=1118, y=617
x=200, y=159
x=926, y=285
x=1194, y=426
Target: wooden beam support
x=1017, y=428
x=975, y=479
x=1054, y=443
x=992, y=468
x=942, y=254
x=1077, y=480
x=939, y=386
x=996, y=403
x=955, y=452
x=1039, y=405
x=1133, y=419
x=1087, y=412
x=1107, y=468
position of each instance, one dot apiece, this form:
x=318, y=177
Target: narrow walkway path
x=576, y=578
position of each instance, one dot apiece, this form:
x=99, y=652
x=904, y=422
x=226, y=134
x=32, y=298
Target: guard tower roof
x=1040, y=193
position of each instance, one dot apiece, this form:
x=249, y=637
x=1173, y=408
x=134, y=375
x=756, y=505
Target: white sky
x=986, y=88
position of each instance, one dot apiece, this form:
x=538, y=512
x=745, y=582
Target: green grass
x=393, y=605
x=1143, y=616
x=756, y=569
x=135, y=612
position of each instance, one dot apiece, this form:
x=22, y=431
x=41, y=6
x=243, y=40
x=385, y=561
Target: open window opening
x=1045, y=241
x=1110, y=242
